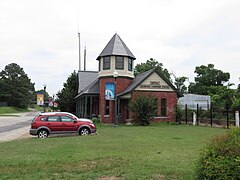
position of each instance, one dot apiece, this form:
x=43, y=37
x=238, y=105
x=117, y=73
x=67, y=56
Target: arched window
x=163, y=107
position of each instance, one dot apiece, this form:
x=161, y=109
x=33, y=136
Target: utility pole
x=85, y=51
x=79, y=50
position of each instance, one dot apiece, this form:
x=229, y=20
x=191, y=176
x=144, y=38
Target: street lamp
x=115, y=75
x=44, y=106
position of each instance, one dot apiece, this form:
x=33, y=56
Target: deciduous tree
x=179, y=83
x=207, y=76
x=151, y=64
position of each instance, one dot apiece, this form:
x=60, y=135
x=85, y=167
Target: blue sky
x=41, y=35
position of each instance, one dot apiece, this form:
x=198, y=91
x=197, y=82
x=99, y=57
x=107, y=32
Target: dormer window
x=119, y=62
x=106, y=62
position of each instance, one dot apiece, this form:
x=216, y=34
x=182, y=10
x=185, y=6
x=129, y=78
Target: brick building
x=107, y=92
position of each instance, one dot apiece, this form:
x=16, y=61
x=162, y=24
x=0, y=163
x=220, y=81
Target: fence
x=212, y=116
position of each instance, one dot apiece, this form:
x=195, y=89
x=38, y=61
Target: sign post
x=237, y=118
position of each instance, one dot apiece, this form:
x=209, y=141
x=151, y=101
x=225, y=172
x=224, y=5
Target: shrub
x=144, y=107
x=96, y=120
x=179, y=112
x=221, y=157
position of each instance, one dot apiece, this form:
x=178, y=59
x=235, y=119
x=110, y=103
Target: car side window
x=43, y=119
x=66, y=119
x=53, y=118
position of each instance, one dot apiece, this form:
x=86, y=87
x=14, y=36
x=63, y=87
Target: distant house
x=107, y=92
x=191, y=100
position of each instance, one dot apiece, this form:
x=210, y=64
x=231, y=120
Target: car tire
x=84, y=131
x=42, y=134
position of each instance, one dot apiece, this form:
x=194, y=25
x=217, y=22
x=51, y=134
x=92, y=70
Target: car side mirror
x=75, y=121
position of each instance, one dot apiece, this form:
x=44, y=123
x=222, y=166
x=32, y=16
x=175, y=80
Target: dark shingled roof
x=92, y=89
x=85, y=78
x=116, y=46
x=136, y=81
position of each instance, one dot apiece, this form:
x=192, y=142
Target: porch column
x=90, y=107
x=77, y=107
x=85, y=107
x=82, y=107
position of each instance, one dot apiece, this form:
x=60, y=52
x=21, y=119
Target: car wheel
x=84, y=131
x=42, y=134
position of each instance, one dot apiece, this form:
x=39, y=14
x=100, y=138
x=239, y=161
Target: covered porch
x=87, y=106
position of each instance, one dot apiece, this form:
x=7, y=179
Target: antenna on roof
x=79, y=42
x=79, y=49
x=85, y=52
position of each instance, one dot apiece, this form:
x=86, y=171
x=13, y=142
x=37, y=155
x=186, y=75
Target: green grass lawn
x=11, y=110
x=159, y=151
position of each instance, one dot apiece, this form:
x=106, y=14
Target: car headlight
x=92, y=125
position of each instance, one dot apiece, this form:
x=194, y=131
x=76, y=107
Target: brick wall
x=122, y=84
x=171, y=98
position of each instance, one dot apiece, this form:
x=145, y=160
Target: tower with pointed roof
x=115, y=58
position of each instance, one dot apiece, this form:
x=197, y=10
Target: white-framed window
x=119, y=62
x=106, y=62
x=130, y=64
x=163, y=107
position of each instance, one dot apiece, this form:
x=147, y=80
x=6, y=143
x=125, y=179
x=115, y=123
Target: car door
x=68, y=124
x=54, y=124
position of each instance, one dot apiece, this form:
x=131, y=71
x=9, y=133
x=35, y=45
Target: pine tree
x=16, y=89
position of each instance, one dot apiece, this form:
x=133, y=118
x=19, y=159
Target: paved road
x=12, y=127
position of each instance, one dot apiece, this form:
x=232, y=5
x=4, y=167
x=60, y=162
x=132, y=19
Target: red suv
x=45, y=124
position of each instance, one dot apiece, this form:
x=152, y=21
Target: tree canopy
x=66, y=97
x=207, y=76
x=151, y=64
x=215, y=83
x=179, y=83
x=16, y=89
